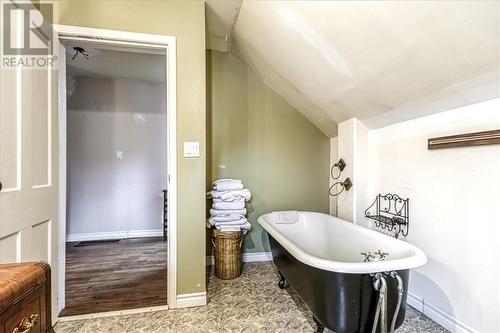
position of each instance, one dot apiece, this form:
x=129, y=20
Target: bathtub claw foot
x=320, y=328
x=282, y=283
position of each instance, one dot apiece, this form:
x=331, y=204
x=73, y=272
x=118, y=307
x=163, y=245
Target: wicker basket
x=227, y=253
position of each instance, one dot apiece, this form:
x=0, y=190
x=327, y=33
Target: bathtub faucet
x=381, y=254
x=380, y=284
x=375, y=256
x=395, y=275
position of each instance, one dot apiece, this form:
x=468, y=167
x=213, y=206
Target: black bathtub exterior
x=343, y=302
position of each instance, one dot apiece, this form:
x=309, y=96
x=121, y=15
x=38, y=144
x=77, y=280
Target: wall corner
x=353, y=148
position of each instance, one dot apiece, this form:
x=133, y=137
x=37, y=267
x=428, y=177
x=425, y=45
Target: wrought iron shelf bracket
x=390, y=212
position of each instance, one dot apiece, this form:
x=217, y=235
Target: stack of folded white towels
x=228, y=209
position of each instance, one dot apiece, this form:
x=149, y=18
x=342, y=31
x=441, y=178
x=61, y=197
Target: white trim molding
x=148, y=43
x=62, y=121
x=122, y=234
x=191, y=300
x=247, y=257
x=257, y=256
x=112, y=313
x=90, y=236
x=439, y=316
x=145, y=233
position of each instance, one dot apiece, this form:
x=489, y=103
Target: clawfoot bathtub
x=321, y=257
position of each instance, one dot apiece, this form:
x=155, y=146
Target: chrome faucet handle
x=381, y=254
x=368, y=256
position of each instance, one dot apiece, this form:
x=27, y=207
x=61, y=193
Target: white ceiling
x=116, y=64
x=380, y=61
x=221, y=16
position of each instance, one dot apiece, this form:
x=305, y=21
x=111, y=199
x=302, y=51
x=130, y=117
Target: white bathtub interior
x=331, y=243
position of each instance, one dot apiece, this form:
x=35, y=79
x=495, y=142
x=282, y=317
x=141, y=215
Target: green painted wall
x=186, y=21
x=282, y=158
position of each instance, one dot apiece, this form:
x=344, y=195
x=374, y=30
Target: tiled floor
x=251, y=303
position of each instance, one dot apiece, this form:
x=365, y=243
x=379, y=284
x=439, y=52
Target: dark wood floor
x=115, y=276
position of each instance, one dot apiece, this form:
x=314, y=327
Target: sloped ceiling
x=380, y=61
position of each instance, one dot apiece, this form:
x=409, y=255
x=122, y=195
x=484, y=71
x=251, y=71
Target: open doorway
x=132, y=65
x=116, y=238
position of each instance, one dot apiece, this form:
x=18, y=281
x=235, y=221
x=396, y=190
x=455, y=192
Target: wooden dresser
x=25, y=298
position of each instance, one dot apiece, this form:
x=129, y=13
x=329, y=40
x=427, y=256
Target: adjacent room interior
x=116, y=250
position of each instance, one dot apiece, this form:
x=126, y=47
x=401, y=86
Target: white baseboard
x=114, y=235
x=190, y=300
x=439, y=316
x=248, y=257
x=257, y=256
x=415, y=302
x=145, y=233
x=112, y=313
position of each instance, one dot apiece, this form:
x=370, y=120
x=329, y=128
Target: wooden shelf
x=465, y=140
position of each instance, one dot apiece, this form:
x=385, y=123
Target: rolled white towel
x=225, y=205
x=231, y=195
x=226, y=180
x=229, y=228
x=211, y=222
x=287, y=217
x=241, y=221
x=226, y=186
x=226, y=218
x=243, y=227
x=247, y=226
x=218, y=212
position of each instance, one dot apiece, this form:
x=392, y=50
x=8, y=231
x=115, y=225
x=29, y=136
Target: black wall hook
x=346, y=185
x=340, y=165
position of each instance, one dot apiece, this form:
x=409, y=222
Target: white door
x=28, y=167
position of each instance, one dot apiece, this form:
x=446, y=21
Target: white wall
x=334, y=157
x=454, y=216
x=353, y=149
x=106, y=194
x=346, y=145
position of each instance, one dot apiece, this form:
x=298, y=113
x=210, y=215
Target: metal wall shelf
x=390, y=212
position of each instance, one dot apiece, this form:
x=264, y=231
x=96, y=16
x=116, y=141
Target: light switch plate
x=191, y=149
x=119, y=155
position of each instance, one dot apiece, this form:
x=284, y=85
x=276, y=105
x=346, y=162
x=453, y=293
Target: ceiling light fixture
x=80, y=50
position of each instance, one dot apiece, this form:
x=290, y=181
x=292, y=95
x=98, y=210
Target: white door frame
x=159, y=44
